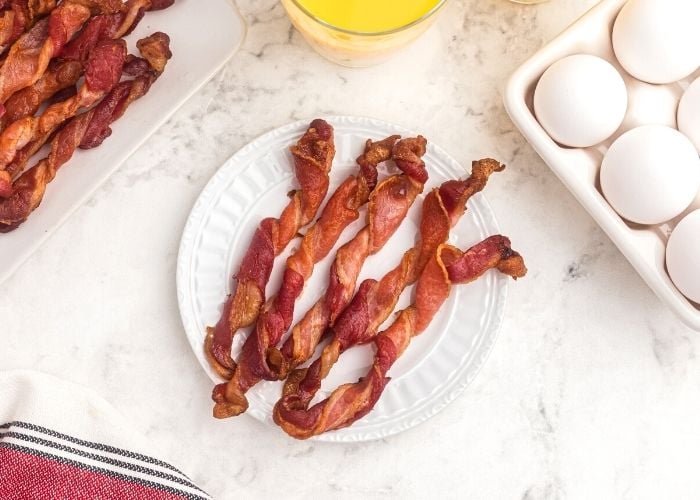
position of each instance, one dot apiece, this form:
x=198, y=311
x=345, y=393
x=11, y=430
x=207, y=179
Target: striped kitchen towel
x=62, y=441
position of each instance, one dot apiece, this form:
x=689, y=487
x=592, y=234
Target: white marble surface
x=591, y=391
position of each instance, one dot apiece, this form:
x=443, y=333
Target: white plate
x=252, y=185
x=643, y=246
x=202, y=38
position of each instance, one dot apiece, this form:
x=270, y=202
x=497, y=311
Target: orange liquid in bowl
x=361, y=32
x=368, y=16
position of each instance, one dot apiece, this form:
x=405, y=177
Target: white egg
x=650, y=174
x=683, y=256
x=580, y=100
x=657, y=41
x=689, y=113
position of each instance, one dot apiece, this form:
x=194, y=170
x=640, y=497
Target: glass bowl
x=353, y=48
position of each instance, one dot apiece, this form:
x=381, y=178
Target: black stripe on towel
x=99, y=458
x=99, y=470
x=90, y=444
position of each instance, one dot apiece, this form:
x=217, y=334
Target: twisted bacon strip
x=86, y=129
x=102, y=72
x=313, y=155
x=374, y=300
x=20, y=15
x=350, y=402
x=388, y=206
x=64, y=73
x=30, y=54
x=29, y=134
x=276, y=316
x=155, y=52
x=109, y=27
x=60, y=75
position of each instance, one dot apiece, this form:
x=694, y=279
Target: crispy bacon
x=348, y=403
x=388, y=206
x=29, y=56
x=374, y=300
x=156, y=53
x=102, y=72
x=105, y=27
x=5, y=184
x=59, y=76
x=18, y=16
x=313, y=155
x=275, y=318
x=29, y=188
x=161, y=4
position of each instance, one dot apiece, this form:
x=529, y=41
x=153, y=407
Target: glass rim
x=439, y=4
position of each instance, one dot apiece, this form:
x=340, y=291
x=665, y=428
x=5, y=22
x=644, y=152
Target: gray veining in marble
x=591, y=391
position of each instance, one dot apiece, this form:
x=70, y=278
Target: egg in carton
x=600, y=104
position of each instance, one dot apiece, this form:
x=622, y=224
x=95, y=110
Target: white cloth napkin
x=61, y=440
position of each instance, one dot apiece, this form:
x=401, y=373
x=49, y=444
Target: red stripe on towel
x=27, y=476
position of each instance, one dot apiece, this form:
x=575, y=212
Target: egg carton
x=578, y=169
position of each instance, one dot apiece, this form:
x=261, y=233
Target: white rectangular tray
x=578, y=169
x=204, y=35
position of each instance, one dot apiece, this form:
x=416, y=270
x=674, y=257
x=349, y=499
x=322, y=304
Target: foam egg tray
x=578, y=169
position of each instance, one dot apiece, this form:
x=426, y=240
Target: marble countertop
x=590, y=392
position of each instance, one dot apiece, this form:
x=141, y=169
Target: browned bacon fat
x=28, y=190
x=102, y=72
x=17, y=16
x=375, y=300
x=86, y=51
x=109, y=26
x=341, y=210
x=348, y=403
x=59, y=76
x=313, y=156
x=29, y=56
x=388, y=206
